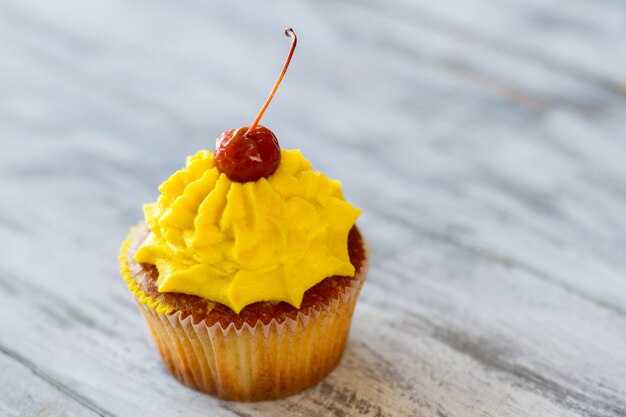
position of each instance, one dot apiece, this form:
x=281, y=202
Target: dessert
x=248, y=268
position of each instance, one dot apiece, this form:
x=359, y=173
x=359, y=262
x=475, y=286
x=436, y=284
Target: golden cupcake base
x=254, y=363
x=251, y=363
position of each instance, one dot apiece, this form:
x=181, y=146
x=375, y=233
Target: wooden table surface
x=485, y=142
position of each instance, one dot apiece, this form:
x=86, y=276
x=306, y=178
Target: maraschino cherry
x=250, y=153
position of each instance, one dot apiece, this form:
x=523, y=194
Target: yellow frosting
x=239, y=243
x=141, y=296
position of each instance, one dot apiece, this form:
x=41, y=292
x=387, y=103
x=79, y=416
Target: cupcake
x=247, y=268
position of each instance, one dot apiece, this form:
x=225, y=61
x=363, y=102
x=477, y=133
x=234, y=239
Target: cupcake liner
x=252, y=363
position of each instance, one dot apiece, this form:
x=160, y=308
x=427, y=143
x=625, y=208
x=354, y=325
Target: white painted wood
x=26, y=394
x=573, y=36
x=492, y=181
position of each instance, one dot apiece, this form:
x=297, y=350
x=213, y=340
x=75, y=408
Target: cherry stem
x=294, y=40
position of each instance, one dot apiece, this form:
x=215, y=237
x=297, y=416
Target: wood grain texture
x=26, y=392
x=489, y=165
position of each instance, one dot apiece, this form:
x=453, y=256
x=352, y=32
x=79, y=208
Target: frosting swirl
x=239, y=243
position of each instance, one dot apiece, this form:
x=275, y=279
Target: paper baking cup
x=253, y=363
